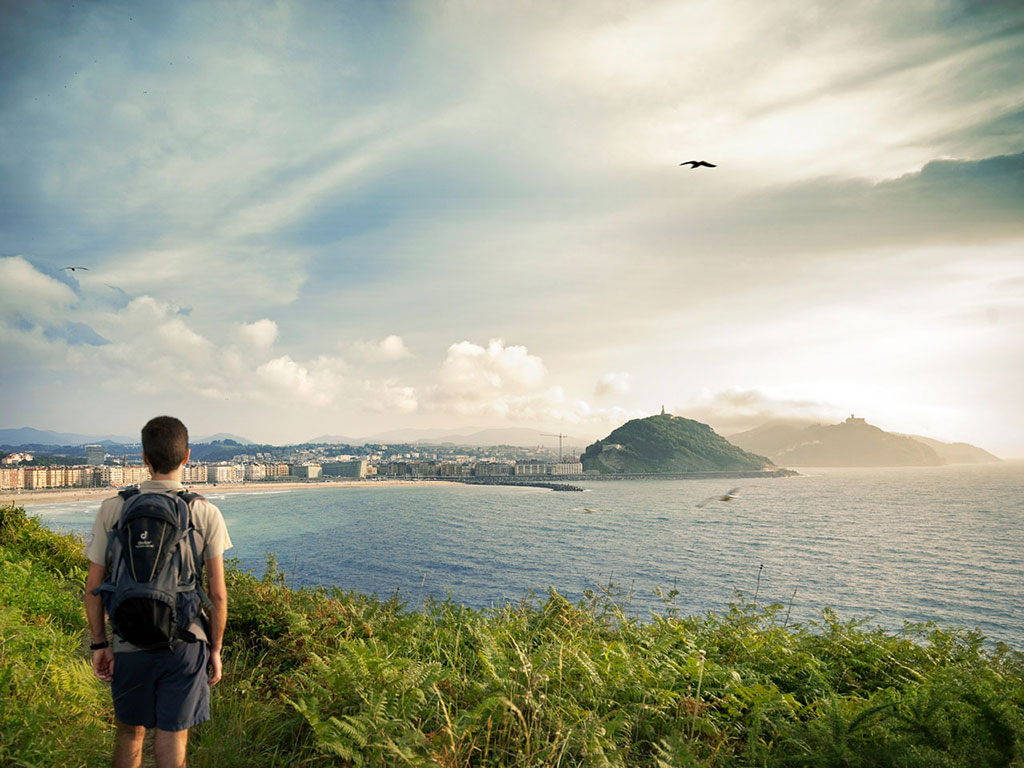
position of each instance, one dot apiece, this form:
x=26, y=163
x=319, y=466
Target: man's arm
x=218, y=594
x=103, y=659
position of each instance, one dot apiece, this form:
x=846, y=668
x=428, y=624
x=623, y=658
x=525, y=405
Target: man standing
x=167, y=689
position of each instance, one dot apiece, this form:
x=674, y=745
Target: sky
x=309, y=218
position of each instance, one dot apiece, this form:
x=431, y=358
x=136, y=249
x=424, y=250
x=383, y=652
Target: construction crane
x=559, y=436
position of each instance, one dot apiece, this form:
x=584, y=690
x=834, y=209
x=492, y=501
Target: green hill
x=667, y=444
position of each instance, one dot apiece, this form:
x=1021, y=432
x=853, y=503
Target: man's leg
x=128, y=745
x=170, y=748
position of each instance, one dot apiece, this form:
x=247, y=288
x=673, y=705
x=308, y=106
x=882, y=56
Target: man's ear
x=188, y=453
x=146, y=461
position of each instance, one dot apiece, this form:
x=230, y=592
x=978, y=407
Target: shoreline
x=31, y=498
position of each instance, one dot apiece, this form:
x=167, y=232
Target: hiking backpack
x=152, y=591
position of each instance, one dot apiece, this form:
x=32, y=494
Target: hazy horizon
x=309, y=218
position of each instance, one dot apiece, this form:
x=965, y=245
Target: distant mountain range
x=852, y=443
x=32, y=436
x=470, y=436
x=222, y=436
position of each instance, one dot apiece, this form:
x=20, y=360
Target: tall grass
x=325, y=677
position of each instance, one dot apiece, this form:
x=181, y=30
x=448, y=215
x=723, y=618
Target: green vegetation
x=665, y=444
x=317, y=677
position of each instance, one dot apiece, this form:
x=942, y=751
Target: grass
x=324, y=677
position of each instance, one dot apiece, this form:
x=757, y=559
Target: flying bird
x=728, y=496
x=699, y=164
x=74, y=269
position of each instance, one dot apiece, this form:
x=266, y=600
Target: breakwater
x=516, y=481
x=698, y=475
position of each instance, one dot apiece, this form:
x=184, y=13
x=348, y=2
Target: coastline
x=30, y=498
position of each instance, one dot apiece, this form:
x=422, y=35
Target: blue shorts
x=167, y=689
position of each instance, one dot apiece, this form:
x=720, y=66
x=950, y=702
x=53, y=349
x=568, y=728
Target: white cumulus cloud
x=26, y=291
x=472, y=372
x=387, y=349
x=261, y=334
x=316, y=383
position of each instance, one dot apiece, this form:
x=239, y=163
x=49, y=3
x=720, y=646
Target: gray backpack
x=152, y=591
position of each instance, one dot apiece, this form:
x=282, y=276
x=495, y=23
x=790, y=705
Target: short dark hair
x=165, y=443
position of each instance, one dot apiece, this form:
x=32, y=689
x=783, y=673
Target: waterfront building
x=77, y=477
x=493, y=468
x=352, y=469
x=111, y=476
x=37, y=477
x=224, y=473
x=424, y=469
x=94, y=455
x=277, y=470
x=255, y=471
x=194, y=473
x=133, y=475
x=12, y=479
x=567, y=468
x=532, y=468
x=450, y=469
x=305, y=471
x=397, y=469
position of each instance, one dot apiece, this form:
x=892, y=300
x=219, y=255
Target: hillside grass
x=324, y=677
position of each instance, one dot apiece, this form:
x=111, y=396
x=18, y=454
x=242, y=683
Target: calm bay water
x=942, y=544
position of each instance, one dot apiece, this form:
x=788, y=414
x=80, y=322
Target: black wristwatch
x=99, y=646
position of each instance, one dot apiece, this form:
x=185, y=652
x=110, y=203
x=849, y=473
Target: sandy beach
x=26, y=498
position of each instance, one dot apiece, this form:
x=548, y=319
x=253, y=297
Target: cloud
x=471, y=372
x=316, y=384
x=506, y=382
x=260, y=334
x=387, y=349
x=389, y=396
x=27, y=292
x=613, y=384
x=737, y=410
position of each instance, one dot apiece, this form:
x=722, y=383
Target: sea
x=886, y=546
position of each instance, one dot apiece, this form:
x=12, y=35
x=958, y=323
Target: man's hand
x=216, y=669
x=103, y=664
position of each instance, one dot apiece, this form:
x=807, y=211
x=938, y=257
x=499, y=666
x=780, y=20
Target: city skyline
x=305, y=218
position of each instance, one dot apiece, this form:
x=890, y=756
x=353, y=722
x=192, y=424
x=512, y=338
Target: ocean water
x=888, y=545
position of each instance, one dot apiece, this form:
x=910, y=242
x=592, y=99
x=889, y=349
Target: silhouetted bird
x=75, y=269
x=699, y=164
x=729, y=496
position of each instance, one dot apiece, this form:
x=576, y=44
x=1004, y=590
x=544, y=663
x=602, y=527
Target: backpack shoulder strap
x=112, y=535
x=127, y=493
x=188, y=497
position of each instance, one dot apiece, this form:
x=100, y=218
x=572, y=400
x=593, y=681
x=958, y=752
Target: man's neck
x=174, y=476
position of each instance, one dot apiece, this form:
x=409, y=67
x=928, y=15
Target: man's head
x=164, y=444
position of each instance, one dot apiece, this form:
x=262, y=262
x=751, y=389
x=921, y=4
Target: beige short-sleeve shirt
x=206, y=518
